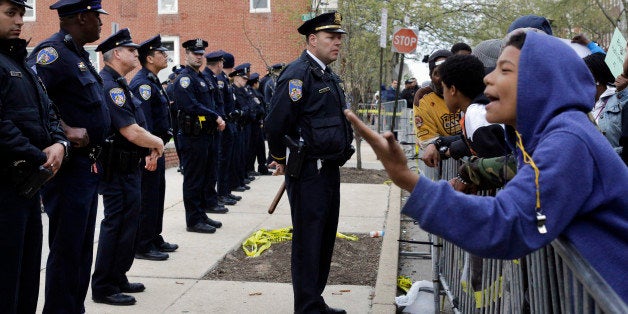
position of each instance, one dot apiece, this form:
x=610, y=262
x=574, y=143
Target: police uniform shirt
x=244, y=101
x=308, y=104
x=124, y=108
x=73, y=84
x=216, y=91
x=154, y=102
x=28, y=122
x=227, y=92
x=193, y=95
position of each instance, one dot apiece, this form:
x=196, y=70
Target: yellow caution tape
x=404, y=283
x=262, y=239
x=388, y=182
x=201, y=119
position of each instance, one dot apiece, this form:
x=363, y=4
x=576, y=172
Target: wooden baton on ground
x=277, y=198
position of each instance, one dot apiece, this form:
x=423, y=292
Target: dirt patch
x=353, y=263
x=365, y=176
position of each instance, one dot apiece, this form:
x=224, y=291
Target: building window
x=260, y=6
x=167, y=6
x=93, y=56
x=30, y=15
x=172, y=44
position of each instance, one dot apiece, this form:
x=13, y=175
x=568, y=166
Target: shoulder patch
x=47, y=56
x=184, y=82
x=295, y=89
x=145, y=91
x=118, y=97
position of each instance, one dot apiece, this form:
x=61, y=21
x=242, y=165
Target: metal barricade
x=554, y=279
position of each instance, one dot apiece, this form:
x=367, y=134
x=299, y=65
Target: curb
x=386, y=284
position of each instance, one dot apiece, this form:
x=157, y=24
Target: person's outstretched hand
x=388, y=151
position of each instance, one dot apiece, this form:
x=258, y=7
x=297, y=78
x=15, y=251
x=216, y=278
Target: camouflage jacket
x=489, y=173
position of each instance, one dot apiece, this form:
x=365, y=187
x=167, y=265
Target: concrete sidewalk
x=175, y=285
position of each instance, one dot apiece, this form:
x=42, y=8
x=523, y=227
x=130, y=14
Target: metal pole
x=392, y=125
x=379, y=101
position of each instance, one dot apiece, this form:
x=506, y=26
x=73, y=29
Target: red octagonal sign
x=405, y=40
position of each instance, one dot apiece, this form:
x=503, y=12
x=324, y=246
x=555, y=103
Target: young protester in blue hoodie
x=570, y=182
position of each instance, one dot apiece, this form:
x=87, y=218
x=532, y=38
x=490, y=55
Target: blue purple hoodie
x=583, y=183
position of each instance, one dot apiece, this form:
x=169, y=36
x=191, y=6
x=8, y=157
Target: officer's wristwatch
x=66, y=148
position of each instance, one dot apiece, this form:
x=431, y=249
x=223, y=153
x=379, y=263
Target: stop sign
x=405, y=40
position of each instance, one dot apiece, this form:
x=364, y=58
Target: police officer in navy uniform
x=120, y=187
x=308, y=108
x=198, y=121
x=32, y=140
x=270, y=82
x=213, y=70
x=258, y=149
x=217, y=94
x=245, y=102
x=148, y=90
x=71, y=197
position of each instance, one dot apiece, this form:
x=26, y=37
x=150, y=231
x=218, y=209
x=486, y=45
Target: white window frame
x=32, y=3
x=258, y=10
x=94, y=56
x=174, y=56
x=161, y=10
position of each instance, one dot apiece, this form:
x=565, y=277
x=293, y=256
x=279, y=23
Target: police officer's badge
x=202, y=83
x=221, y=84
x=295, y=89
x=145, y=91
x=47, y=56
x=185, y=82
x=118, y=97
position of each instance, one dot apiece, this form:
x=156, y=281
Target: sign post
x=405, y=40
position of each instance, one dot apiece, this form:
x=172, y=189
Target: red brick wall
x=225, y=24
x=172, y=160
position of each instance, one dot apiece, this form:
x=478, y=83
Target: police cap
x=241, y=70
x=70, y=7
x=229, y=60
x=214, y=56
x=276, y=66
x=253, y=78
x=122, y=38
x=328, y=22
x=21, y=3
x=153, y=44
x=195, y=45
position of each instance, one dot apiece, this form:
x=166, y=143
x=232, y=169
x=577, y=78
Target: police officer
x=33, y=146
x=129, y=143
x=308, y=106
x=213, y=70
x=245, y=102
x=257, y=147
x=198, y=121
x=270, y=82
x=71, y=197
x=148, y=90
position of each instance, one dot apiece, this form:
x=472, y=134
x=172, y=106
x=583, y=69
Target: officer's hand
x=279, y=168
x=151, y=162
x=77, y=136
x=431, y=157
x=157, y=151
x=221, y=124
x=388, y=151
x=54, y=157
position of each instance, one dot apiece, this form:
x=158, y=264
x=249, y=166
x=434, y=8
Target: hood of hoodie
x=552, y=79
x=533, y=21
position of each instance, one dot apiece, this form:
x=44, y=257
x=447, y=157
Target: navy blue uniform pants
x=237, y=165
x=195, y=160
x=20, y=244
x=116, y=243
x=71, y=202
x=314, y=204
x=225, y=160
x=211, y=196
x=152, y=207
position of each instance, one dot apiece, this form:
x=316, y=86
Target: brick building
x=261, y=32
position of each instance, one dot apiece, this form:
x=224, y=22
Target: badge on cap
x=118, y=97
x=295, y=89
x=47, y=56
x=145, y=91
x=185, y=82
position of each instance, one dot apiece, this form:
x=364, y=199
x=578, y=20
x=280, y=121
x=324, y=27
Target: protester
x=557, y=192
